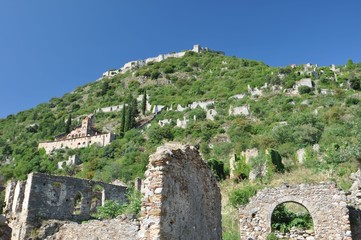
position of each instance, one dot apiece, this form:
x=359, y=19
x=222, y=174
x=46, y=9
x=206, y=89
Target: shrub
x=239, y=197
x=110, y=209
x=352, y=101
x=355, y=84
x=134, y=201
x=277, y=161
x=217, y=168
x=283, y=219
x=272, y=236
x=304, y=89
x=241, y=168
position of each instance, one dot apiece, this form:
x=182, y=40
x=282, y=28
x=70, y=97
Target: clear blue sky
x=48, y=48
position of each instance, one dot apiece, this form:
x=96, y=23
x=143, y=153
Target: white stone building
x=83, y=136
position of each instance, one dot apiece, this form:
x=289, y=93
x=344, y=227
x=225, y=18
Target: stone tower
x=86, y=126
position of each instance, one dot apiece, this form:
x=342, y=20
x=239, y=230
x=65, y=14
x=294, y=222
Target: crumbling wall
x=44, y=197
x=5, y=230
x=325, y=203
x=354, y=200
x=181, y=197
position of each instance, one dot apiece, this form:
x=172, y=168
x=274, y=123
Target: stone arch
x=300, y=203
x=325, y=203
x=78, y=201
x=286, y=199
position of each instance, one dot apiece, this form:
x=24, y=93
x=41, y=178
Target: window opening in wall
x=97, y=198
x=77, y=203
x=291, y=219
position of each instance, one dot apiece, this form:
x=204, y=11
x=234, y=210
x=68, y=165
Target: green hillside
x=324, y=120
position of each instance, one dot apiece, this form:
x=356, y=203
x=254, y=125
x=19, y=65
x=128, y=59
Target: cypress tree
x=133, y=112
x=129, y=113
x=122, y=121
x=128, y=121
x=68, y=124
x=144, y=102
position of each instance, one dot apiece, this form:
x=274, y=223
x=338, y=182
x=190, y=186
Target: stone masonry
x=354, y=201
x=5, y=230
x=83, y=136
x=325, y=203
x=181, y=197
x=42, y=197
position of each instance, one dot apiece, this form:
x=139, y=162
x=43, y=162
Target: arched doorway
x=326, y=204
x=97, y=198
x=78, y=199
x=291, y=220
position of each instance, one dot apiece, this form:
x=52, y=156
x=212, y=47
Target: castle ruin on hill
x=140, y=63
x=83, y=136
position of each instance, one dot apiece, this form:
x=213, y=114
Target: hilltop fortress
x=83, y=136
x=139, y=63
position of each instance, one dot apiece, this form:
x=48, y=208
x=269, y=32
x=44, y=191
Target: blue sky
x=48, y=48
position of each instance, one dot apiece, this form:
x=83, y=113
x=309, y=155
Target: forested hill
x=257, y=106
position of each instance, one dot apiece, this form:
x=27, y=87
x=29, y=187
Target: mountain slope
x=278, y=117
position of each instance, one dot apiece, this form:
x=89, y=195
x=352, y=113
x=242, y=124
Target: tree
x=355, y=84
x=122, y=121
x=132, y=113
x=68, y=124
x=105, y=88
x=349, y=64
x=144, y=102
x=129, y=113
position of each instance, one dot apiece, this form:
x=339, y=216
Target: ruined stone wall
x=101, y=139
x=5, y=230
x=354, y=201
x=181, y=197
x=325, y=203
x=44, y=197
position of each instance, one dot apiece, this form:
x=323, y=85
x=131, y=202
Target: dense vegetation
x=279, y=122
x=283, y=219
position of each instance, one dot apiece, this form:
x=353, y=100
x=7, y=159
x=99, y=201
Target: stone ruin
x=181, y=201
x=5, y=230
x=83, y=136
x=181, y=197
x=354, y=201
x=326, y=204
x=43, y=197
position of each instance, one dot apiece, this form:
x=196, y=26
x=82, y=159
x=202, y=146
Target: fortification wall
x=325, y=203
x=101, y=139
x=139, y=63
x=181, y=197
x=43, y=197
